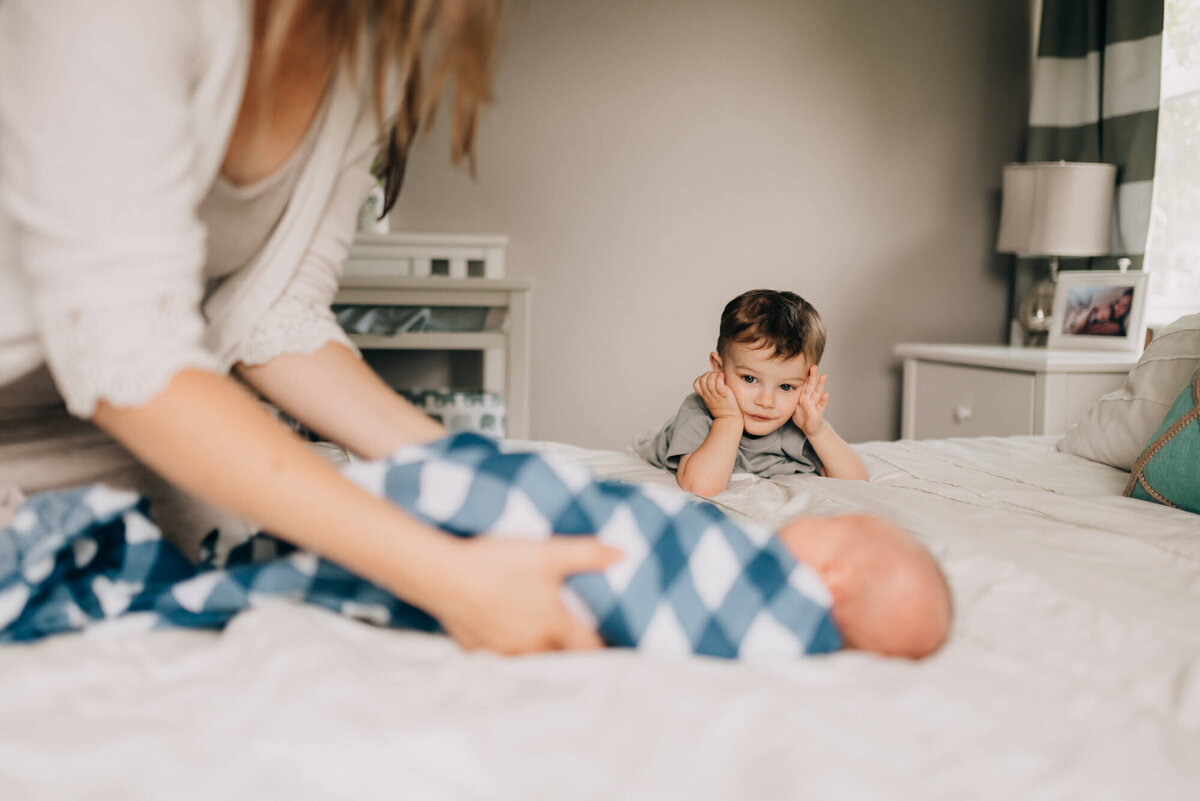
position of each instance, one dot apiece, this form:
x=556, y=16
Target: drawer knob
x=962, y=413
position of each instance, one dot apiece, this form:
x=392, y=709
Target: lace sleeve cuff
x=123, y=353
x=291, y=326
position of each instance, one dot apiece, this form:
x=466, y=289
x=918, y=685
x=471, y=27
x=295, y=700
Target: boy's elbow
x=702, y=488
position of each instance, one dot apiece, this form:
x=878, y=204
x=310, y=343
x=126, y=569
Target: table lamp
x=1053, y=209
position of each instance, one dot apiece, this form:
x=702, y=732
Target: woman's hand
x=717, y=396
x=504, y=595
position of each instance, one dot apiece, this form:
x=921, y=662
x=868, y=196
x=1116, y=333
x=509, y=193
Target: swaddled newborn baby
x=692, y=580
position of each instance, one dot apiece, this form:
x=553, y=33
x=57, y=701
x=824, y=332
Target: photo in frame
x=1099, y=310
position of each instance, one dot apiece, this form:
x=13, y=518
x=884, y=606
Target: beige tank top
x=240, y=219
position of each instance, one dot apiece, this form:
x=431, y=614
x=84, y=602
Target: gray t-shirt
x=784, y=451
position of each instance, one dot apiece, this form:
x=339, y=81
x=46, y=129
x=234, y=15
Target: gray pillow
x=1117, y=427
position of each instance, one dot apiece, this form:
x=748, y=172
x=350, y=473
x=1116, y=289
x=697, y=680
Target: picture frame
x=1099, y=310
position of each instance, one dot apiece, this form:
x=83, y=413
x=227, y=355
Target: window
x=1173, y=247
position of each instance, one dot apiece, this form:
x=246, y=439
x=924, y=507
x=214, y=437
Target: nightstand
x=995, y=390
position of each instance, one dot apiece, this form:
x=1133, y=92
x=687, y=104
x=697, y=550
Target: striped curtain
x=1095, y=97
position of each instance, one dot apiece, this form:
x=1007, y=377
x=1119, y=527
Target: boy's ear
x=714, y=360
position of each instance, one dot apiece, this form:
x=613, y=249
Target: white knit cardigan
x=114, y=121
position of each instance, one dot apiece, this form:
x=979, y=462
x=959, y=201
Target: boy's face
x=765, y=386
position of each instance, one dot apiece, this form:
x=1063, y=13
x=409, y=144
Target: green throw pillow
x=1168, y=471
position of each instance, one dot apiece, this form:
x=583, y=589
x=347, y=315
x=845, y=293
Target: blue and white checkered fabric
x=691, y=581
x=74, y=558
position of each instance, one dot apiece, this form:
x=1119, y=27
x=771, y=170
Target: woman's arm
x=208, y=436
x=336, y=394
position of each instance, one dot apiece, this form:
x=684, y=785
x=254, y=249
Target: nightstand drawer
x=959, y=401
x=995, y=390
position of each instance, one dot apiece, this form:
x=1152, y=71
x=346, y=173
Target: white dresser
x=458, y=273
x=995, y=390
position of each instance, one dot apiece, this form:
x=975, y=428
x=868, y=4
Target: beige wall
x=650, y=159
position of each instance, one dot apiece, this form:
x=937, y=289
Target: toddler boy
x=761, y=408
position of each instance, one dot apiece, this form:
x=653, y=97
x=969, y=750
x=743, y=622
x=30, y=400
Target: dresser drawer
x=960, y=401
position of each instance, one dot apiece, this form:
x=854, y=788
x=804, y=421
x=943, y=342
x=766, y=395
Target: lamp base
x=1037, y=307
x=1034, y=313
x=1039, y=339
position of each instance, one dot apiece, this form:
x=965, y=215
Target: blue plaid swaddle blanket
x=691, y=580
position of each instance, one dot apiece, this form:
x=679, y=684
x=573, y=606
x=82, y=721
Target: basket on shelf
x=481, y=412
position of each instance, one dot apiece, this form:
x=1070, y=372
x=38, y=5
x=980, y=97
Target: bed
x=1073, y=671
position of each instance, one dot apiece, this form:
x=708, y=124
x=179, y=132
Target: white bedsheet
x=1073, y=672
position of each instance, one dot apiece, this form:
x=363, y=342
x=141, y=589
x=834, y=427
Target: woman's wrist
x=409, y=558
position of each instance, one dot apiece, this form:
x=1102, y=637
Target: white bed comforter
x=1073, y=672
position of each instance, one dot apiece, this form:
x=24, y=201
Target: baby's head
x=1121, y=306
x=768, y=342
x=889, y=595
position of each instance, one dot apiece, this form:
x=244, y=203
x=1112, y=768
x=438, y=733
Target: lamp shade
x=1056, y=208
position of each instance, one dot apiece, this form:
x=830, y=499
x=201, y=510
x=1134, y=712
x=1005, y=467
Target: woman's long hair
x=427, y=43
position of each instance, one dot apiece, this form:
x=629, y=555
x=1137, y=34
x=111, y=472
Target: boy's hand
x=717, y=396
x=809, y=416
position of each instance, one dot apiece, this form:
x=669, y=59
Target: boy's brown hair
x=782, y=321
